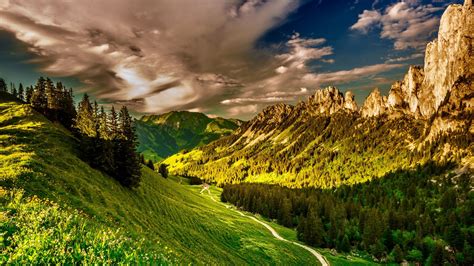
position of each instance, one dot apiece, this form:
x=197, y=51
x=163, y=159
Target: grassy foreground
x=56, y=209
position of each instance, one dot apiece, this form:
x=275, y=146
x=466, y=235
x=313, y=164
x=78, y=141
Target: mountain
x=160, y=136
x=328, y=140
x=56, y=209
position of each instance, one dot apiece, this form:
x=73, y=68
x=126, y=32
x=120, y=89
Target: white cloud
x=408, y=23
x=242, y=110
x=367, y=19
x=136, y=51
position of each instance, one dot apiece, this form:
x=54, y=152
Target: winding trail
x=320, y=257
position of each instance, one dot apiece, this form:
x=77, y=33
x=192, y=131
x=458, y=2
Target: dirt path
x=320, y=257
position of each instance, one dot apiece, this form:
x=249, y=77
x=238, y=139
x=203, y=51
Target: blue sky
x=228, y=58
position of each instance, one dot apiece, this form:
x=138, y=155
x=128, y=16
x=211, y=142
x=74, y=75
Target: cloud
x=404, y=58
x=270, y=97
x=408, y=23
x=367, y=19
x=164, y=53
x=242, y=110
x=349, y=75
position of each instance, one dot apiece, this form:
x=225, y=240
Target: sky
x=227, y=58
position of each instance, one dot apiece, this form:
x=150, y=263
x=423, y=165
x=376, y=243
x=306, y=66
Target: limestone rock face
x=325, y=101
x=374, y=105
x=448, y=57
x=404, y=94
x=349, y=102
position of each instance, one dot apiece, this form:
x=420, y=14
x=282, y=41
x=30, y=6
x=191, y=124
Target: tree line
x=107, y=139
x=419, y=215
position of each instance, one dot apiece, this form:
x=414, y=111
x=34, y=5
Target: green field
x=52, y=199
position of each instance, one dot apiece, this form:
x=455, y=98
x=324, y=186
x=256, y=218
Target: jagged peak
x=375, y=104
x=468, y=3
x=330, y=100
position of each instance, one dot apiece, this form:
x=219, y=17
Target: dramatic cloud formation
x=156, y=56
x=166, y=54
x=408, y=23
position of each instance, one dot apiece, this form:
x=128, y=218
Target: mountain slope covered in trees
x=160, y=136
x=57, y=209
x=328, y=140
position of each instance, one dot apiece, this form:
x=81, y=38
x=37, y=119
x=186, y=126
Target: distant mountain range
x=162, y=135
x=328, y=140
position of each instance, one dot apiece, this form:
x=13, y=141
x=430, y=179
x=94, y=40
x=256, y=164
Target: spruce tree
x=39, y=101
x=163, y=170
x=127, y=161
x=85, y=118
x=150, y=165
x=113, y=124
x=13, y=90
x=3, y=85
x=21, y=92
x=28, y=94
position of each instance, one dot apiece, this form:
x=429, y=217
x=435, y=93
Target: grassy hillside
x=163, y=135
x=72, y=212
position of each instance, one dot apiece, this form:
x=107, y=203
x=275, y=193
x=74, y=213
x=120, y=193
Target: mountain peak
x=330, y=100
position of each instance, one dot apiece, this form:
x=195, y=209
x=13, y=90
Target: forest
x=107, y=141
x=422, y=215
x=322, y=151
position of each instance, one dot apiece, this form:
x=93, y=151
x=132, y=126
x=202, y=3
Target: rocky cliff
x=449, y=60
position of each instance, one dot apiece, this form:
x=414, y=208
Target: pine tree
x=21, y=92
x=13, y=90
x=127, y=161
x=28, y=94
x=113, y=124
x=3, y=85
x=150, y=165
x=39, y=101
x=163, y=170
x=85, y=119
x=102, y=121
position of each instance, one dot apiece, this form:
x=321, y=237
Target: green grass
x=162, y=219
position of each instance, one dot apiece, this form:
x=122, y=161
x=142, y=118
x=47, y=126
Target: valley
x=255, y=168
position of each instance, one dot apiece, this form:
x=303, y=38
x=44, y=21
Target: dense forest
x=322, y=151
x=107, y=141
x=421, y=215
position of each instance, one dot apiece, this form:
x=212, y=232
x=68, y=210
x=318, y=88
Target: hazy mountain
x=162, y=135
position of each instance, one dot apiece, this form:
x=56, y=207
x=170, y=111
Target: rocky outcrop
x=349, y=102
x=448, y=57
x=325, y=101
x=374, y=105
x=274, y=114
x=329, y=101
x=403, y=94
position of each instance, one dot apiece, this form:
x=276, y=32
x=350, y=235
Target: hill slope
x=327, y=140
x=160, y=136
x=165, y=221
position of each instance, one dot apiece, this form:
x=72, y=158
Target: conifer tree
x=28, y=94
x=3, y=85
x=21, y=92
x=150, y=165
x=113, y=124
x=39, y=101
x=127, y=161
x=163, y=170
x=102, y=121
x=85, y=119
x=13, y=90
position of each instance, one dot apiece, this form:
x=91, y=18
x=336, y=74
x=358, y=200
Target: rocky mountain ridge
x=328, y=140
x=449, y=65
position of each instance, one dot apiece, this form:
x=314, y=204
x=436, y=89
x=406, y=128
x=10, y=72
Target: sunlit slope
x=40, y=158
